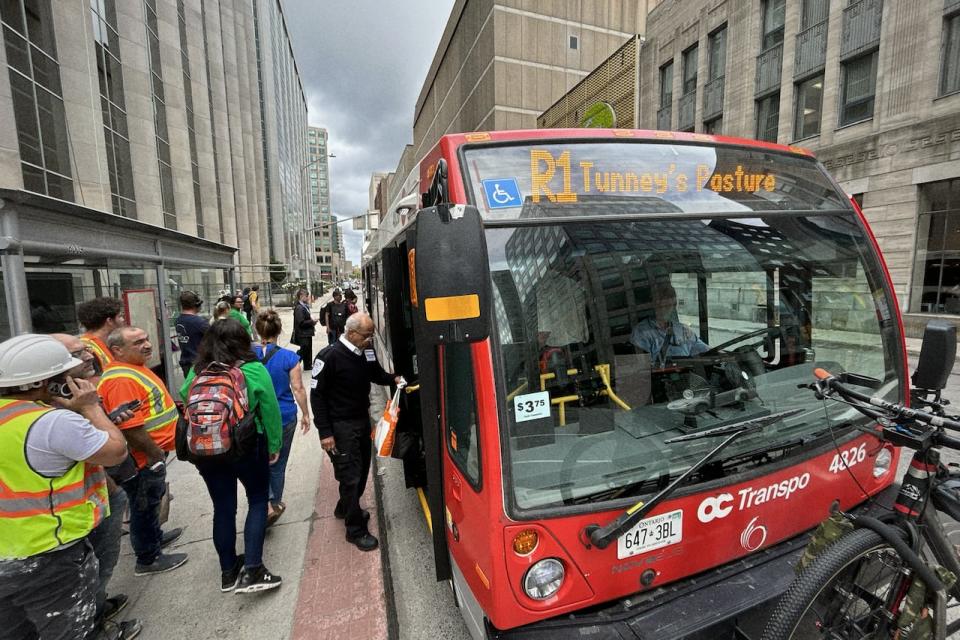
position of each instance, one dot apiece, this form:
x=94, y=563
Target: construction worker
x=99, y=317
x=150, y=434
x=52, y=490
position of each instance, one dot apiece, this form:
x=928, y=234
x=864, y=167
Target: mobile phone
x=59, y=389
x=126, y=406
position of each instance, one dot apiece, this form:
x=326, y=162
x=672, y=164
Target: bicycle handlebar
x=886, y=409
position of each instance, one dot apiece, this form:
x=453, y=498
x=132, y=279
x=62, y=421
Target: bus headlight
x=543, y=579
x=881, y=464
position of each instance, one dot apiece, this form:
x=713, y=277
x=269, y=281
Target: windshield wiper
x=601, y=537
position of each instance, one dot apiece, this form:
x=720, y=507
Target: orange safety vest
x=162, y=412
x=37, y=513
x=98, y=348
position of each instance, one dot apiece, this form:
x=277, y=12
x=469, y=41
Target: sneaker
x=114, y=605
x=164, y=562
x=125, y=630
x=171, y=536
x=366, y=542
x=257, y=579
x=229, y=579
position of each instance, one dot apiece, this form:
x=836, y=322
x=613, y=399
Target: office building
x=148, y=145
x=326, y=263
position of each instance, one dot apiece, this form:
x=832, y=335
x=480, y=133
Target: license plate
x=653, y=533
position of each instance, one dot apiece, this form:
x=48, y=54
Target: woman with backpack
x=225, y=362
x=283, y=366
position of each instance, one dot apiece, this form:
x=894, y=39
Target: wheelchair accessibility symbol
x=502, y=193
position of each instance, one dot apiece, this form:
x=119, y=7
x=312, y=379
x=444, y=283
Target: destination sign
x=561, y=177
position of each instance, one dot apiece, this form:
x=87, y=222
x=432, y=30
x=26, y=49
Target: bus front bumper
x=731, y=602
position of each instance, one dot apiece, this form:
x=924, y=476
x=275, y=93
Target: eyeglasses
x=365, y=336
x=79, y=353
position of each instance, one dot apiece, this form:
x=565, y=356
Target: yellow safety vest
x=162, y=410
x=37, y=513
x=99, y=350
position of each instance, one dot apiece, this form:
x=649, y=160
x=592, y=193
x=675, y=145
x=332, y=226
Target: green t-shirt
x=262, y=399
x=242, y=319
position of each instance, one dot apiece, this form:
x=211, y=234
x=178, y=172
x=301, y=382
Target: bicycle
x=891, y=577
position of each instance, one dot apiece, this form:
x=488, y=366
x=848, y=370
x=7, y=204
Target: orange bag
x=385, y=432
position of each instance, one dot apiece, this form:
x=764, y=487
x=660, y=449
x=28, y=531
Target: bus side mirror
x=451, y=283
x=937, y=355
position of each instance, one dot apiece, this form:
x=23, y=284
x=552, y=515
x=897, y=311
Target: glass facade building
x=326, y=239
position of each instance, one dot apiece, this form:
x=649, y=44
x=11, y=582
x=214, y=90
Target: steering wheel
x=766, y=331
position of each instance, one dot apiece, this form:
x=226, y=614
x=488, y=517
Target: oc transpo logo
x=753, y=536
x=715, y=507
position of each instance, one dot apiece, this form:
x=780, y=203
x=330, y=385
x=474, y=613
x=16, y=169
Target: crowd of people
x=87, y=429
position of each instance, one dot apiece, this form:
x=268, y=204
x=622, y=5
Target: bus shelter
x=57, y=254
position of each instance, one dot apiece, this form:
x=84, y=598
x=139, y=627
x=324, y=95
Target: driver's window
x=738, y=304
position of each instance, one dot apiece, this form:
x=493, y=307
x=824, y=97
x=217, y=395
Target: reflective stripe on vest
x=37, y=513
x=162, y=409
x=102, y=355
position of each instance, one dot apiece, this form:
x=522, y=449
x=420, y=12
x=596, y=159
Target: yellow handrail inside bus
x=411, y=388
x=604, y=371
x=562, y=403
x=550, y=376
x=425, y=507
x=513, y=394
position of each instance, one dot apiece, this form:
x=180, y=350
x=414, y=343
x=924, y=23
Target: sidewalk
x=330, y=589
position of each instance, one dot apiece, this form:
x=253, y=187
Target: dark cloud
x=362, y=64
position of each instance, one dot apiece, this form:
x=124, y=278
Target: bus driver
x=664, y=336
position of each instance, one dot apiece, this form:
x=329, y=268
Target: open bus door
x=449, y=291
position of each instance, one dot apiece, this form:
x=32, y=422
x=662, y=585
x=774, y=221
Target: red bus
x=608, y=331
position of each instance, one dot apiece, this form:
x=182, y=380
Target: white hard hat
x=32, y=358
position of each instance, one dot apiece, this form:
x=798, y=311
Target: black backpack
x=247, y=306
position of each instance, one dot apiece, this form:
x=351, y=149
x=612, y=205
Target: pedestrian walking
x=283, y=366
x=254, y=301
x=236, y=312
x=190, y=327
x=350, y=299
x=105, y=538
x=54, y=437
x=340, y=399
x=99, y=317
x=335, y=316
x=222, y=310
x=150, y=434
x=304, y=327
x=227, y=344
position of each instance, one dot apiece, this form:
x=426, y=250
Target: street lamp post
x=323, y=225
x=309, y=248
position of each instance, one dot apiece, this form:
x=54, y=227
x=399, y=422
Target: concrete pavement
x=330, y=588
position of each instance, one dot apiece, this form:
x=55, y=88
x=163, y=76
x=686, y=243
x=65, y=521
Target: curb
x=393, y=624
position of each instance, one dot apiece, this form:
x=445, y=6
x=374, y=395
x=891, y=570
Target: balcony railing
x=665, y=118
x=713, y=98
x=688, y=109
x=769, y=64
x=861, y=27
x=811, y=49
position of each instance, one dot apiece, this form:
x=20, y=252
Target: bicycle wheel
x=847, y=593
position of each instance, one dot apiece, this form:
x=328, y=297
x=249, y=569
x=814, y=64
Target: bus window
x=461, y=411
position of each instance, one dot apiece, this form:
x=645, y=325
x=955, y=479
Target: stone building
x=148, y=145
x=872, y=87
x=326, y=262
x=500, y=63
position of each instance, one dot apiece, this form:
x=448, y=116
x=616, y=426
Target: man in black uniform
x=303, y=327
x=340, y=398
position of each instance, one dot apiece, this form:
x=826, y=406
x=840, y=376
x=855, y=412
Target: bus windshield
x=619, y=333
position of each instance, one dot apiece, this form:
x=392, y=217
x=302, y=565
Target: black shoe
x=169, y=537
x=114, y=605
x=257, y=579
x=340, y=515
x=125, y=630
x=365, y=542
x=164, y=562
x=229, y=579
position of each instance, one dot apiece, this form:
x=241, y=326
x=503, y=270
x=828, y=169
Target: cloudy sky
x=362, y=64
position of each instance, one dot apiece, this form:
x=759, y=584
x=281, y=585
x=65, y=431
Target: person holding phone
x=150, y=434
x=54, y=439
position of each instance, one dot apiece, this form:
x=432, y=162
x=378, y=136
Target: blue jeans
x=279, y=468
x=253, y=472
x=145, y=491
x=106, y=543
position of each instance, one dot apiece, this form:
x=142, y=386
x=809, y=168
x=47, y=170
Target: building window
x=774, y=13
x=858, y=86
x=666, y=85
x=950, y=59
x=37, y=97
x=717, y=62
x=813, y=12
x=574, y=42
x=809, y=99
x=690, y=70
x=936, y=272
x=160, y=117
x=713, y=127
x=112, y=107
x=191, y=121
x=768, y=117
